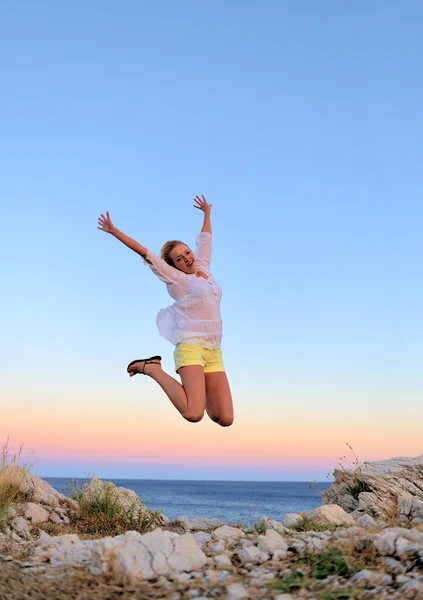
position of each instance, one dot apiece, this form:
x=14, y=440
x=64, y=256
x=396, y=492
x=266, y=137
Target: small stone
x=271, y=542
x=202, y=537
x=394, y=566
x=236, y=591
x=248, y=555
x=54, y=518
x=223, y=560
x=217, y=548
x=411, y=589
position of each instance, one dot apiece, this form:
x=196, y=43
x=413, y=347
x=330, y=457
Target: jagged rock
x=21, y=527
x=66, y=550
x=136, y=557
x=410, y=509
x=376, y=486
x=41, y=492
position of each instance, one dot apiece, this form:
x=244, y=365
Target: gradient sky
x=302, y=124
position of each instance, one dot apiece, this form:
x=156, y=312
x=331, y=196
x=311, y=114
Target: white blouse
x=194, y=317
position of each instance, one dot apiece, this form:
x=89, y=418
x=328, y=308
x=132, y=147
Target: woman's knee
x=193, y=416
x=222, y=420
x=226, y=421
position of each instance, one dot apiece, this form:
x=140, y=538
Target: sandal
x=146, y=361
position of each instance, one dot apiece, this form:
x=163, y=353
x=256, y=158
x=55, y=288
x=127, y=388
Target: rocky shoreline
x=325, y=554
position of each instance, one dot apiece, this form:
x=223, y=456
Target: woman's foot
x=143, y=367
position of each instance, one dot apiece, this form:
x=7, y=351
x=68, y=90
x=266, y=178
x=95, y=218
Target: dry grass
x=13, y=471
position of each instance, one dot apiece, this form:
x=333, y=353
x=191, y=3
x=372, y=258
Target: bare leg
x=219, y=399
x=189, y=398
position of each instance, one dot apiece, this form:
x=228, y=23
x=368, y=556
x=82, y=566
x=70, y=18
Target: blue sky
x=302, y=124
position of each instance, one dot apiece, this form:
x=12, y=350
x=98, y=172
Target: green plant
x=329, y=561
x=258, y=527
x=295, y=581
x=103, y=512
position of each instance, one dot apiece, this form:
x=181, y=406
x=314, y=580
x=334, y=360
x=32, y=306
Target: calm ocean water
x=230, y=501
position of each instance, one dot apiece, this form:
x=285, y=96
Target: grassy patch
x=103, y=513
x=13, y=472
x=258, y=528
x=295, y=581
x=312, y=567
x=307, y=523
x=329, y=561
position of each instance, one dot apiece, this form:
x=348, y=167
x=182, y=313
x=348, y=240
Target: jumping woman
x=192, y=323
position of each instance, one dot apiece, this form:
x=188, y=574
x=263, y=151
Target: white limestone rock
x=228, y=533
x=43, y=493
x=202, y=537
x=291, y=520
x=222, y=561
x=249, y=554
x=236, y=591
x=199, y=524
x=64, y=550
x=377, y=485
x=271, y=542
x=333, y=515
x=137, y=557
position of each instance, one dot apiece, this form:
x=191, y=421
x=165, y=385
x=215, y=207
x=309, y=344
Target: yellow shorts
x=187, y=355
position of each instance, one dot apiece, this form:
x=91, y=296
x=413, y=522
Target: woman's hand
x=105, y=223
x=202, y=204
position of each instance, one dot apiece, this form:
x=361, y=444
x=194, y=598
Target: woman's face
x=183, y=258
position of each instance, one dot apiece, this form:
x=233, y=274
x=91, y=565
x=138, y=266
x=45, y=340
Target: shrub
x=103, y=512
x=13, y=472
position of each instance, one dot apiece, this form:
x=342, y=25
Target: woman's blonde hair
x=167, y=249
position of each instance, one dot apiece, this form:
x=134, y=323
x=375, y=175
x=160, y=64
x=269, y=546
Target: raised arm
x=203, y=240
x=105, y=224
x=202, y=204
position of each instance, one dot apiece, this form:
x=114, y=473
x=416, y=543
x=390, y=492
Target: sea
x=230, y=501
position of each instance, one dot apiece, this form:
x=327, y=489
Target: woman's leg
x=219, y=399
x=190, y=397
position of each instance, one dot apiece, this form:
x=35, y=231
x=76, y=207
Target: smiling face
x=183, y=259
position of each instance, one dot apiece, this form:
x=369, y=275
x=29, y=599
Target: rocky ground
x=326, y=554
